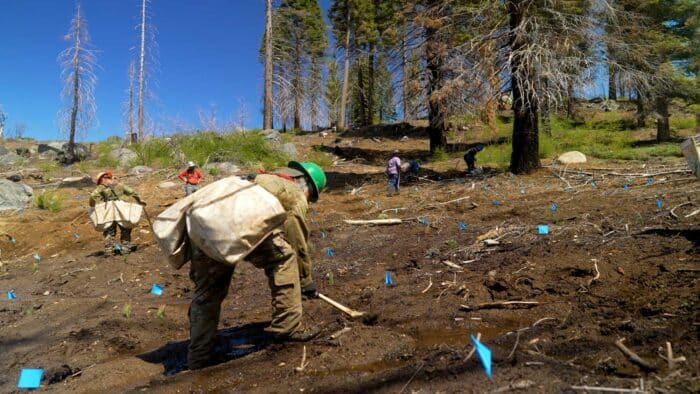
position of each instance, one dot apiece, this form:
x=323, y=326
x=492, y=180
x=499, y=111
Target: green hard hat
x=313, y=171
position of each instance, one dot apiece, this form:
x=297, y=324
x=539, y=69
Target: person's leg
x=125, y=239
x=212, y=280
x=398, y=182
x=189, y=189
x=276, y=256
x=109, y=233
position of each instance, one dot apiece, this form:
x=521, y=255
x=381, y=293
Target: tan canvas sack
x=127, y=215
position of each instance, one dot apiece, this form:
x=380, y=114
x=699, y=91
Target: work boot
x=109, y=245
x=309, y=291
x=300, y=335
x=126, y=247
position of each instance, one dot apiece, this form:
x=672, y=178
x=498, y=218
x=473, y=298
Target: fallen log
x=500, y=305
x=374, y=222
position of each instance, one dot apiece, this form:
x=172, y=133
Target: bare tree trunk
x=663, y=130
x=131, y=136
x=297, y=86
x=570, y=101
x=612, y=84
x=362, y=99
x=76, y=89
x=142, y=61
x=525, y=156
x=404, y=82
x=641, y=110
x=369, y=120
x=267, y=100
x=436, y=112
x=346, y=74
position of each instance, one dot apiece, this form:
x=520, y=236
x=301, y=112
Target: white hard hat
x=191, y=164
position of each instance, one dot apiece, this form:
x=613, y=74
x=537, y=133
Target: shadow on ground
x=231, y=343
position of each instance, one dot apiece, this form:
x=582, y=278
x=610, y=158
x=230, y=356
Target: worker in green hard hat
x=285, y=257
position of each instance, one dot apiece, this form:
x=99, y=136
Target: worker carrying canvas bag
x=225, y=219
x=123, y=213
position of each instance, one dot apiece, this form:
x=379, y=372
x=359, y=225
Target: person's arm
x=94, y=196
x=128, y=191
x=199, y=175
x=183, y=175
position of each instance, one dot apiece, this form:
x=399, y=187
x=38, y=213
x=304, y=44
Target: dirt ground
x=614, y=265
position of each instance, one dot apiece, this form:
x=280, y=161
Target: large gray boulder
x=53, y=146
x=224, y=168
x=80, y=152
x=123, y=155
x=573, y=157
x=290, y=149
x=13, y=195
x=77, y=181
x=9, y=159
x=140, y=170
x=272, y=135
x=3, y=150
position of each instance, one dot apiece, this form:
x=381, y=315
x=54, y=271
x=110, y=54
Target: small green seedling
x=160, y=313
x=126, y=311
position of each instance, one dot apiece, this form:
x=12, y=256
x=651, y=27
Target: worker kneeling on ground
x=109, y=190
x=284, y=257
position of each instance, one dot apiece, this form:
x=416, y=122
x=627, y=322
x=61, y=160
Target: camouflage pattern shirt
x=112, y=193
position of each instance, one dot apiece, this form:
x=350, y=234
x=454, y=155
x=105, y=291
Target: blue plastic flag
x=323, y=235
x=117, y=248
x=593, y=183
x=156, y=289
x=484, y=355
x=11, y=295
x=629, y=180
x=658, y=203
x=13, y=240
x=496, y=202
x=37, y=257
x=650, y=181
x=568, y=189
x=424, y=221
x=462, y=226
x=553, y=207
x=542, y=229
x=30, y=378
x=329, y=252
x=626, y=187
x=76, y=235
x=387, y=279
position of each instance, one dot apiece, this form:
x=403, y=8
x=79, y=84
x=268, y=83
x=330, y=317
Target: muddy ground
x=615, y=265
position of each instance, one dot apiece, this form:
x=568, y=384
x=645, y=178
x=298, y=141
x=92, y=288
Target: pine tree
x=333, y=92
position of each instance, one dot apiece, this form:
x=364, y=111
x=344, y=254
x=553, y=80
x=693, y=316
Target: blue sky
x=207, y=55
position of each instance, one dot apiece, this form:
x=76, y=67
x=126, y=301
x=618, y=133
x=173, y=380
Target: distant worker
x=470, y=157
x=109, y=190
x=413, y=169
x=191, y=176
x=284, y=256
x=393, y=171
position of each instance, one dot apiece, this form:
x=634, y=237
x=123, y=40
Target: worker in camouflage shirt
x=109, y=190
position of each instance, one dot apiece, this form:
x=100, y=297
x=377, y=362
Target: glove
x=309, y=291
x=140, y=202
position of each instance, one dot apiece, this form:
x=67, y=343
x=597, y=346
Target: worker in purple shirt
x=393, y=171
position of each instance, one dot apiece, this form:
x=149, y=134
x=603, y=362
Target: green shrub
x=440, y=155
x=246, y=148
x=682, y=122
x=48, y=168
x=103, y=150
x=48, y=200
x=158, y=152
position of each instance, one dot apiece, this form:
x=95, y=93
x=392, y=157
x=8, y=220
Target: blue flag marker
x=37, y=257
x=658, y=203
x=568, y=189
x=496, y=202
x=462, y=226
x=117, y=248
x=387, y=279
x=13, y=240
x=542, y=229
x=553, y=207
x=11, y=295
x=424, y=221
x=593, y=183
x=626, y=187
x=329, y=252
x=650, y=181
x=484, y=355
x=156, y=289
x=30, y=378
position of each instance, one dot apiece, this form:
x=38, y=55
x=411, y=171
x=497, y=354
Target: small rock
x=47, y=292
x=290, y=149
x=167, y=185
x=77, y=181
x=123, y=155
x=573, y=157
x=140, y=170
x=224, y=168
x=272, y=135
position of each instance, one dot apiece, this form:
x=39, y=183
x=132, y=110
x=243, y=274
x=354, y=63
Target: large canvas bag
x=127, y=215
x=225, y=219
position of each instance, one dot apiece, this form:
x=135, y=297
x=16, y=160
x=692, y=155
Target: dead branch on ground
x=500, y=305
x=634, y=357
